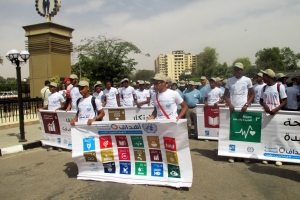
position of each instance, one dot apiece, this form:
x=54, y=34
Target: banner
x=254, y=134
x=56, y=128
x=128, y=113
x=134, y=152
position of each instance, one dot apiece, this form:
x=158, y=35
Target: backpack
x=278, y=90
x=93, y=101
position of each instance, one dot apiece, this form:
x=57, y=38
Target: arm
x=184, y=109
x=153, y=115
x=118, y=99
x=99, y=117
x=249, y=99
x=227, y=99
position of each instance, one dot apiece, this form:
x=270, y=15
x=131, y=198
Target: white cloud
x=85, y=7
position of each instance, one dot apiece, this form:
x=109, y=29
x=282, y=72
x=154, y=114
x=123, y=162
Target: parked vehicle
x=8, y=94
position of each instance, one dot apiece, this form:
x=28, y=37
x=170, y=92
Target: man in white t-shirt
x=45, y=91
x=89, y=108
x=166, y=101
x=258, y=87
x=273, y=95
x=98, y=94
x=239, y=92
x=142, y=95
x=111, y=97
x=74, y=93
x=213, y=94
x=127, y=93
x=55, y=99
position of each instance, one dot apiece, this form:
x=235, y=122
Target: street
x=42, y=174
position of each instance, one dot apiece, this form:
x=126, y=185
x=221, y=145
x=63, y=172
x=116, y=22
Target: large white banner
x=254, y=134
x=134, y=152
x=128, y=113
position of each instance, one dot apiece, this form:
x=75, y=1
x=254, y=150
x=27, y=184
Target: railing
x=9, y=112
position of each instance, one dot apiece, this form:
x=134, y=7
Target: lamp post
x=14, y=57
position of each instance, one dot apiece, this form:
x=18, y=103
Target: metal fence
x=9, y=110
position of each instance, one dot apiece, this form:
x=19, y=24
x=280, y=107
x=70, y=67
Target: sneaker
x=231, y=160
x=278, y=163
x=265, y=162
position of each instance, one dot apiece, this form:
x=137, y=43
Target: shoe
x=247, y=160
x=231, y=160
x=278, y=163
x=265, y=162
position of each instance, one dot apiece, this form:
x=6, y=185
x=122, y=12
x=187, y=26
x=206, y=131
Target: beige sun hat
x=269, y=72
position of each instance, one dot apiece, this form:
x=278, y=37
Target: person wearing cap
x=111, y=97
x=192, y=97
x=89, y=108
x=166, y=101
x=98, y=94
x=281, y=78
x=45, y=91
x=273, y=95
x=74, y=93
x=219, y=84
x=214, y=94
x=142, y=95
x=203, y=88
x=55, y=99
x=258, y=87
x=239, y=92
x=127, y=93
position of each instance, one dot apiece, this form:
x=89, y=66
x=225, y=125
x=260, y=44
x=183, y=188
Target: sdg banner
x=134, y=152
x=128, y=113
x=254, y=134
x=56, y=128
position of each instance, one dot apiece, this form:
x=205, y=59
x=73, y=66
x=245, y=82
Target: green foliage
x=145, y=75
x=105, y=59
x=207, y=62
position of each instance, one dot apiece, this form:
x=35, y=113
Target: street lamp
x=14, y=57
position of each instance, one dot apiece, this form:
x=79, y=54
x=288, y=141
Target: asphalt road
x=39, y=174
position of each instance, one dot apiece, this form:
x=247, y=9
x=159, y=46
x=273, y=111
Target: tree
x=207, y=61
x=269, y=58
x=105, y=59
x=145, y=75
x=290, y=59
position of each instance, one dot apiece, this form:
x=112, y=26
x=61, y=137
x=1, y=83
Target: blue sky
x=235, y=28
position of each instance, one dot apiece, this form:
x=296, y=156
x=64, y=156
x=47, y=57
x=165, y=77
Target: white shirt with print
x=127, y=96
x=86, y=110
x=98, y=95
x=257, y=92
x=74, y=94
x=142, y=96
x=168, y=100
x=55, y=100
x=271, y=97
x=213, y=95
x=111, y=97
x=238, y=89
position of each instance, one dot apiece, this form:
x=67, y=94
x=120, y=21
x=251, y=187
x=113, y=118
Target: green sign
x=137, y=141
x=245, y=126
x=140, y=169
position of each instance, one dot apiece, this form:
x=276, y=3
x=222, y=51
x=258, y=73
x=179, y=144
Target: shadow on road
x=276, y=171
x=71, y=169
x=212, y=154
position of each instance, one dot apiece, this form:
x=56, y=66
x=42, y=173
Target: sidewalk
x=9, y=137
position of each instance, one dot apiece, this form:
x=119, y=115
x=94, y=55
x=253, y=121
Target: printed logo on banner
x=121, y=141
x=173, y=171
x=125, y=168
x=89, y=144
x=58, y=140
x=140, y=169
x=109, y=167
x=211, y=117
x=124, y=153
x=105, y=142
x=139, y=154
x=232, y=148
x=116, y=114
x=155, y=155
x=245, y=126
x=157, y=169
x=90, y=156
x=170, y=143
x=250, y=149
x=107, y=155
x=172, y=157
x=206, y=132
x=150, y=128
x=137, y=141
x=153, y=142
x=51, y=123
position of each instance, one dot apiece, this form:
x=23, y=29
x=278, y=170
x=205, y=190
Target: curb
x=20, y=148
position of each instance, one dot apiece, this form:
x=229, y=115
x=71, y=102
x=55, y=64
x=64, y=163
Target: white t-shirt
x=271, y=96
x=168, y=100
x=257, y=91
x=238, y=89
x=213, y=95
x=127, y=96
x=292, y=93
x=152, y=92
x=142, y=96
x=86, y=110
x=74, y=94
x=55, y=100
x=111, y=97
x=45, y=93
x=98, y=95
